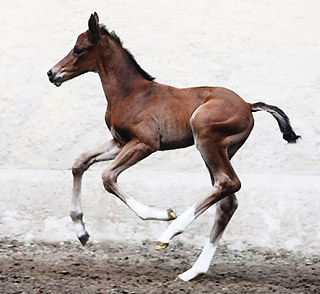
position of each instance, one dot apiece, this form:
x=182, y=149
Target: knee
x=236, y=186
x=233, y=186
x=109, y=180
x=230, y=186
x=77, y=170
x=79, y=167
x=234, y=204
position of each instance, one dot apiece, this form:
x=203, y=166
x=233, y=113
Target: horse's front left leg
x=132, y=152
x=104, y=152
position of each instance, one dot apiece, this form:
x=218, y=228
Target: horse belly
x=176, y=138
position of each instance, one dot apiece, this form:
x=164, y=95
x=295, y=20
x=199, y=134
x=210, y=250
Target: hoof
x=161, y=245
x=172, y=215
x=189, y=275
x=177, y=279
x=84, y=239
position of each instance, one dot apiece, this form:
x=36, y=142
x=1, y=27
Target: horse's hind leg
x=226, y=183
x=218, y=134
x=224, y=211
x=104, y=152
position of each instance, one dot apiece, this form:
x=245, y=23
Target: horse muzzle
x=55, y=78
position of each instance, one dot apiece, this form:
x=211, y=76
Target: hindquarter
x=224, y=118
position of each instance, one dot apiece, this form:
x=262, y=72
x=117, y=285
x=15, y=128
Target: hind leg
x=224, y=211
x=226, y=183
x=220, y=127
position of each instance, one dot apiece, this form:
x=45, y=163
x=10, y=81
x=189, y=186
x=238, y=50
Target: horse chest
x=119, y=136
x=118, y=126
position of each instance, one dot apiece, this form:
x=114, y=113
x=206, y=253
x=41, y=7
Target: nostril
x=49, y=73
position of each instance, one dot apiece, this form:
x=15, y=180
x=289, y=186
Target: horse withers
x=144, y=116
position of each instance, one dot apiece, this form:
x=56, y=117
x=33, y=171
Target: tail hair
x=283, y=120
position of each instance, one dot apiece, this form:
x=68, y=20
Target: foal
x=144, y=116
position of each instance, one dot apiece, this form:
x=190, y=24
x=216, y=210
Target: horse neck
x=118, y=76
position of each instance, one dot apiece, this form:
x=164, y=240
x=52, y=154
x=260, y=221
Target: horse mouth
x=56, y=81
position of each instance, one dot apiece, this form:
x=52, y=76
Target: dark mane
x=115, y=38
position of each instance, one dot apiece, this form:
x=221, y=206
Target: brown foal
x=144, y=116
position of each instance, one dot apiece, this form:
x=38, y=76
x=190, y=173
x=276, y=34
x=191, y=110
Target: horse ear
x=94, y=33
x=96, y=17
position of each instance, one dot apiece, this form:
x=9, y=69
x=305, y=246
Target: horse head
x=82, y=58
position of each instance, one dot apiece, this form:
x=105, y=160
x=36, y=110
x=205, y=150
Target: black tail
x=282, y=119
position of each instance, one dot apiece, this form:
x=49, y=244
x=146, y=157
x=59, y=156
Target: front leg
x=104, y=152
x=133, y=152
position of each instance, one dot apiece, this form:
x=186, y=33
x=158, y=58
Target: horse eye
x=78, y=51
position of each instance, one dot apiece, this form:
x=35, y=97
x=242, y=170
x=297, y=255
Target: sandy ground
x=125, y=268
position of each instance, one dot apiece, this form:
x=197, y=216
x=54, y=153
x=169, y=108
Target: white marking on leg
x=76, y=209
x=178, y=225
x=202, y=264
x=79, y=228
x=145, y=212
